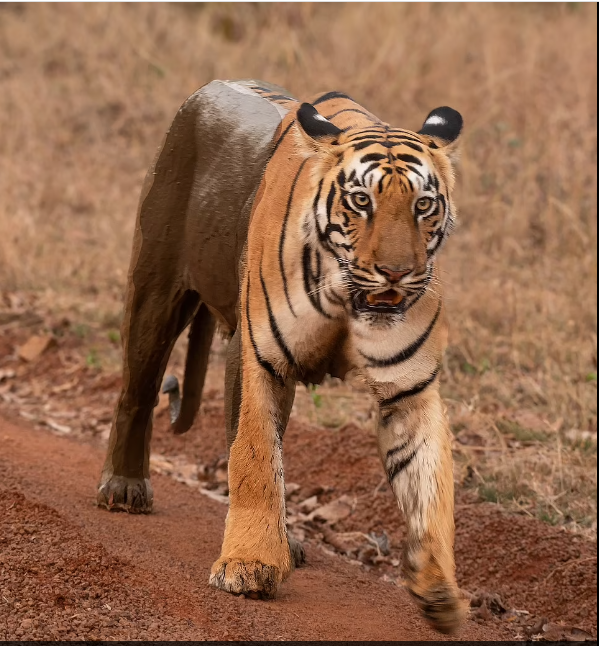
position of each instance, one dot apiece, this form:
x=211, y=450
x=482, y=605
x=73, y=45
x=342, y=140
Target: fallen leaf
x=382, y=542
x=161, y=464
x=61, y=428
x=35, y=346
x=551, y=632
x=188, y=471
x=66, y=386
x=334, y=511
x=215, y=496
x=291, y=488
x=7, y=374
x=309, y=504
x=221, y=473
x=27, y=415
x=489, y=600
x=299, y=533
x=335, y=540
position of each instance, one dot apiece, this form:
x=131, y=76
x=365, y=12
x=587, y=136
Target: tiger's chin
x=388, y=302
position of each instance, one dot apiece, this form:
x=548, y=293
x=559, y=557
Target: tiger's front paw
x=252, y=578
x=443, y=607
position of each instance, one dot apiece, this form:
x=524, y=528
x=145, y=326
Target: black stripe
x=310, y=279
x=317, y=198
x=321, y=234
x=372, y=131
x=409, y=159
x=413, y=146
x=417, y=389
x=372, y=157
x=279, y=97
x=330, y=199
x=274, y=328
x=329, y=96
x=396, y=450
x=334, y=298
x=406, y=353
x=284, y=233
x=369, y=169
x=415, y=170
x=403, y=134
x=374, y=142
x=370, y=142
x=333, y=228
x=280, y=139
x=428, y=186
x=398, y=467
x=269, y=91
x=263, y=362
x=374, y=137
x=351, y=110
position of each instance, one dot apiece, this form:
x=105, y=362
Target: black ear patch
x=444, y=123
x=314, y=124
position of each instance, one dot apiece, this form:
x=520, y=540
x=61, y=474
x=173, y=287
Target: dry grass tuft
x=88, y=91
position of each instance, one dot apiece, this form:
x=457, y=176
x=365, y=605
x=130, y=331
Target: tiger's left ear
x=443, y=126
x=317, y=127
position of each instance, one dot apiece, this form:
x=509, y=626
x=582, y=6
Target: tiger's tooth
x=397, y=299
x=371, y=298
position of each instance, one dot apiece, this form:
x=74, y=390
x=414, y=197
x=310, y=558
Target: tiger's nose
x=393, y=274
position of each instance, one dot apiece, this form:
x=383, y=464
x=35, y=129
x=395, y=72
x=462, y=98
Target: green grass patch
x=92, y=360
x=81, y=330
x=316, y=398
x=521, y=433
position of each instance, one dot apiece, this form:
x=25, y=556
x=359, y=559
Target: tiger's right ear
x=442, y=129
x=317, y=127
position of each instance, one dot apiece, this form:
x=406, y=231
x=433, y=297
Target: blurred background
x=87, y=92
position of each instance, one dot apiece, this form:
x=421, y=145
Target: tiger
x=309, y=232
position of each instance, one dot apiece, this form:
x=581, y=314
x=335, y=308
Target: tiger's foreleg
x=255, y=555
x=415, y=447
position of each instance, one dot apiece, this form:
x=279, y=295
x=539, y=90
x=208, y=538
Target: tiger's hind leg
x=149, y=333
x=415, y=447
x=183, y=411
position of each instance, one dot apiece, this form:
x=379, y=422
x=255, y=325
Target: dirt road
x=72, y=571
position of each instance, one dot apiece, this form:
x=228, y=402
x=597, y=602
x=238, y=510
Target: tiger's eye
x=424, y=204
x=361, y=200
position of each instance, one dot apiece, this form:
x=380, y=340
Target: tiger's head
x=382, y=205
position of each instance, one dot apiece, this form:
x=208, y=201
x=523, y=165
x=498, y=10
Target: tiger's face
x=383, y=209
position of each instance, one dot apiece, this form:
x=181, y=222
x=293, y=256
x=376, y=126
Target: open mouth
x=388, y=302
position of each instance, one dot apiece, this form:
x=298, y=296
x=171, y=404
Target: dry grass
x=88, y=90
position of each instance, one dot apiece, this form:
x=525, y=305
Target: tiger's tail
x=183, y=409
